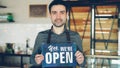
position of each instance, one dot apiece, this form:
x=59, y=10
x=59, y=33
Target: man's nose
x=58, y=15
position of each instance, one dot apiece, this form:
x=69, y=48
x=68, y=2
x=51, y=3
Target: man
x=57, y=34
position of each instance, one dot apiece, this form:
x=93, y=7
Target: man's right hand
x=39, y=58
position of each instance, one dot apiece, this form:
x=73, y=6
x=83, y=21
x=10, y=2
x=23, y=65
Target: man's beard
x=55, y=24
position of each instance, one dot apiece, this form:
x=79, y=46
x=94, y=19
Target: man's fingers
x=39, y=58
x=79, y=57
x=38, y=55
x=78, y=53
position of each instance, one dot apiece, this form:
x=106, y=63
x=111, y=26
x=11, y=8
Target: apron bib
x=59, y=55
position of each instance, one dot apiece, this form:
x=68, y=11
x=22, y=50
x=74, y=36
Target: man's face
x=58, y=15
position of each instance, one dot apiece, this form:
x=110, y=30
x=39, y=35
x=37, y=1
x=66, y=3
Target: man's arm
x=80, y=57
x=36, y=49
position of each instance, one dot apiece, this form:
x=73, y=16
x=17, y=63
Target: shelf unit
x=9, y=16
x=4, y=58
x=105, y=39
x=119, y=30
x=91, y=17
x=98, y=38
x=2, y=6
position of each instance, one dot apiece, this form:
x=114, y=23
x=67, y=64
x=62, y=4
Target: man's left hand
x=79, y=57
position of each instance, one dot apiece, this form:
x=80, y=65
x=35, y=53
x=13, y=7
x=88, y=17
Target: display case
x=14, y=60
x=102, y=61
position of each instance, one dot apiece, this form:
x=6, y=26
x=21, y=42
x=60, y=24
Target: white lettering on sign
x=52, y=48
x=55, y=56
x=64, y=57
x=66, y=48
x=69, y=57
x=48, y=56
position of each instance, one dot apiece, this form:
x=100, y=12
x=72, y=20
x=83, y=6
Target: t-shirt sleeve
x=37, y=48
x=80, y=48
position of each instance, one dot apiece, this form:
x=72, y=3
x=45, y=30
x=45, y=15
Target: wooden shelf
x=2, y=6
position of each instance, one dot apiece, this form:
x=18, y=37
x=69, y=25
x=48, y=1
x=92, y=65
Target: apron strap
x=49, y=35
x=67, y=35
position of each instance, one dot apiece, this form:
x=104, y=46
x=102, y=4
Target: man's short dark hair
x=57, y=2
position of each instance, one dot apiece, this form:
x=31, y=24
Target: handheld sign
x=56, y=55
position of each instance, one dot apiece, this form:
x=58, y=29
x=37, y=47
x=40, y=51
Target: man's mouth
x=58, y=20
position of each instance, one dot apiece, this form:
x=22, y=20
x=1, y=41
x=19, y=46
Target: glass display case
x=102, y=61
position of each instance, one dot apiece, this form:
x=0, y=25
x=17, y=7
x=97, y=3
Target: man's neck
x=58, y=30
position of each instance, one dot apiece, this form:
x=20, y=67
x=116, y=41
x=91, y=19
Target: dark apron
x=53, y=52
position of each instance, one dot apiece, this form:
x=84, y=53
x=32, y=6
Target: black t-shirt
x=61, y=38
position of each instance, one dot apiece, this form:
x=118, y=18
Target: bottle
x=9, y=48
x=27, y=46
x=10, y=17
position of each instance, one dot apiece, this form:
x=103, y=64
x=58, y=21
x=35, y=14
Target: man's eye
x=62, y=12
x=53, y=12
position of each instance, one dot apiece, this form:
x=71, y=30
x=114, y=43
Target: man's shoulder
x=73, y=32
x=44, y=32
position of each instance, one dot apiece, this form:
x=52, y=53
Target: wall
x=20, y=10
x=24, y=26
